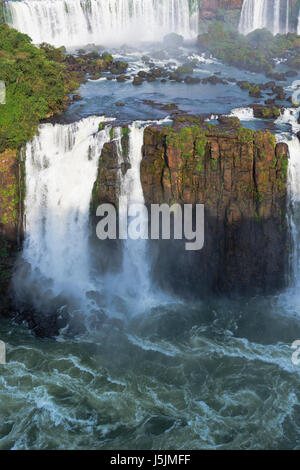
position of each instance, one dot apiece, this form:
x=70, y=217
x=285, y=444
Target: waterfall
x=298, y=28
x=253, y=15
x=61, y=167
x=80, y=22
x=276, y=27
x=136, y=265
x=133, y=283
x=289, y=118
x=258, y=14
x=57, y=265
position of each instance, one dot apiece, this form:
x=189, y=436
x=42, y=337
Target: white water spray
x=80, y=22
x=61, y=167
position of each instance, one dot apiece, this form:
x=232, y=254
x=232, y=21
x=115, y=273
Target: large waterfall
x=258, y=14
x=80, y=22
x=61, y=167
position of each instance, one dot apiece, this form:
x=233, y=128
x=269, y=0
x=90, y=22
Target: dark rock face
x=11, y=208
x=209, y=8
x=240, y=176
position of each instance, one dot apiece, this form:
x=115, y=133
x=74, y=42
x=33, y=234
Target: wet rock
x=213, y=80
x=279, y=77
x=265, y=112
x=291, y=73
x=137, y=81
x=173, y=40
x=77, y=98
x=142, y=74
x=192, y=80
x=255, y=92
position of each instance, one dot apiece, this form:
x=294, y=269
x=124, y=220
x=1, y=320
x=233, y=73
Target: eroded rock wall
x=241, y=178
x=209, y=9
x=11, y=210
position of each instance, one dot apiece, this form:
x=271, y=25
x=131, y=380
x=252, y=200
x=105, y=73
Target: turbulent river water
x=162, y=373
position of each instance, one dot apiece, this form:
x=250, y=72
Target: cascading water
x=276, y=27
x=61, y=167
x=253, y=15
x=289, y=118
x=135, y=275
x=258, y=14
x=79, y=22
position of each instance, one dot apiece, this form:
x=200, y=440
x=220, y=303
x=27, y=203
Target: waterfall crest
x=258, y=14
x=80, y=22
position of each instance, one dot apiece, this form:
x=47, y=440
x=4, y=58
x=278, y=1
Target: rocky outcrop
x=11, y=209
x=240, y=176
x=209, y=9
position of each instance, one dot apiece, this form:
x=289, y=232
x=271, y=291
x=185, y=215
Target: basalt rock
x=265, y=112
x=240, y=176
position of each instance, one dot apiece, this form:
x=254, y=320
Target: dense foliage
x=255, y=52
x=37, y=85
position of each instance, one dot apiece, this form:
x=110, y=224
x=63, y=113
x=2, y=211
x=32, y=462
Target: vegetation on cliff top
x=37, y=85
x=255, y=52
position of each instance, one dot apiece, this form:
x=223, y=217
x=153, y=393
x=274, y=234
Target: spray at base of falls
x=78, y=23
x=258, y=14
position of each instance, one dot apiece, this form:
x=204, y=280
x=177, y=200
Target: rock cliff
x=11, y=210
x=240, y=176
x=209, y=9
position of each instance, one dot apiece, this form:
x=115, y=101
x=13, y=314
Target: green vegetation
x=255, y=52
x=269, y=113
x=37, y=85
